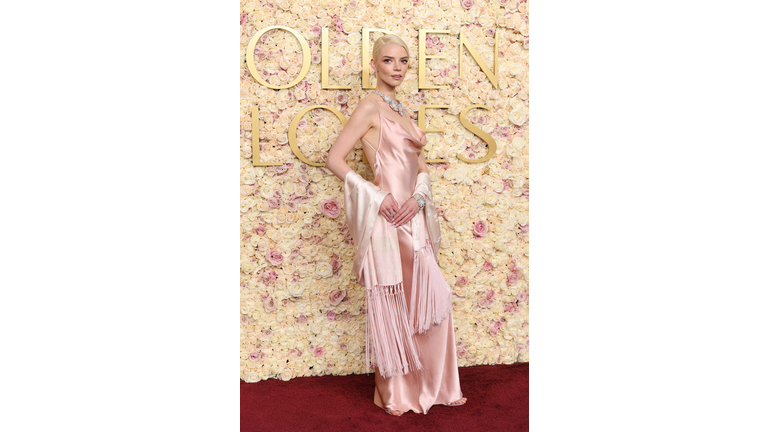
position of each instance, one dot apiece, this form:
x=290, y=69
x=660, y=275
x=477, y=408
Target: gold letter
x=367, y=56
x=488, y=72
x=252, y=65
x=423, y=58
x=256, y=158
x=325, y=65
x=422, y=122
x=480, y=133
x=295, y=124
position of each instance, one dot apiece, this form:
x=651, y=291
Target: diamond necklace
x=397, y=106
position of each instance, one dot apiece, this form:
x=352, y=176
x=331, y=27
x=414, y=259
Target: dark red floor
x=497, y=401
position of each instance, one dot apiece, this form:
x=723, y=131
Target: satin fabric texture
x=396, y=171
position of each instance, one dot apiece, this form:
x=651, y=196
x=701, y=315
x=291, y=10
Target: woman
x=394, y=224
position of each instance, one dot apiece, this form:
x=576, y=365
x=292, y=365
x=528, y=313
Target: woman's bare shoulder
x=366, y=107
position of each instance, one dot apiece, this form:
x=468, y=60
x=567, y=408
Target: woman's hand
x=389, y=207
x=406, y=212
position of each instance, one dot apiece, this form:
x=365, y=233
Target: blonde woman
x=396, y=231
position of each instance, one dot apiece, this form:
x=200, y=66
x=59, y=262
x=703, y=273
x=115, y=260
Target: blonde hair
x=385, y=40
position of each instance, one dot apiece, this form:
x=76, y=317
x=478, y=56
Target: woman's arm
x=410, y=208
x=358, y=124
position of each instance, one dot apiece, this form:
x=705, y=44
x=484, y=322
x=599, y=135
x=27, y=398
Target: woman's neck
x=387, y=90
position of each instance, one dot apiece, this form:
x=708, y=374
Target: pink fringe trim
x=433, y=302
x=388, y=333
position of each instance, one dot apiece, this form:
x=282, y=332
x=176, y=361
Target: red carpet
x=498, y=401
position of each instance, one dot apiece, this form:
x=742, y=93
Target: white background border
x=120, y=151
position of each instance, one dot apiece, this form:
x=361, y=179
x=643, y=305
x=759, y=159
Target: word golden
x=366, y=49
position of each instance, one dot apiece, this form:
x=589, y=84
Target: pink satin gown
x=395, y=169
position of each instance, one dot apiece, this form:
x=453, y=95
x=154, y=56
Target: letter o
x=252, y=66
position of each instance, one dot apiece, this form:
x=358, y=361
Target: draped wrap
x=377, y=265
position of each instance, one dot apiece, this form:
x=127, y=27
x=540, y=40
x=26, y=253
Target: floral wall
x=302, y=311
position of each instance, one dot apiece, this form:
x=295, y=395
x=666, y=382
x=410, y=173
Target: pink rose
x=467, y=3
x=274, y=257
x=481, y=228
x=331, y=315
x=255, y=355
x=513, y=277
x=302, y=318
x=319, y=351
x=462, y=280
x=244, y=319
x=489, y=294
x=461, y=352
x=337, y=296
x=487, y=266
x=522, y=296
x=269, y=304
x=330, y=208
x=335, y=263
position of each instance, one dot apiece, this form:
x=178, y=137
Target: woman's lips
x=396, y=76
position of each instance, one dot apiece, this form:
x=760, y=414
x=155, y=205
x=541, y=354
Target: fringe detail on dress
x=433, y=302
x=388, y=334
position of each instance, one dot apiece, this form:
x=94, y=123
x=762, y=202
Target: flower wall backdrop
x=302, y=312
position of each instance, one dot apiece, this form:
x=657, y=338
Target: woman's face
x=392, y=64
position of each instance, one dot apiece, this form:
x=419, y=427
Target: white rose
x=496, y=185
x=450, y=214
x=248, y=177
x=315, y=176
x=246, y=266
x=295, y=290
x=323, y=269
x=289, y=188
x=491, y=197
x=517, y=117
x=286, y=374
x=459, y=225
x=460, y=175
x=449, y=174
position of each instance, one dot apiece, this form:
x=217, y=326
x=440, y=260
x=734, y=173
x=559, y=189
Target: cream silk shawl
x=389, y=326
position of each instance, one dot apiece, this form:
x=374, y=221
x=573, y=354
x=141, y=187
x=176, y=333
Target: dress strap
x=376, y=149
